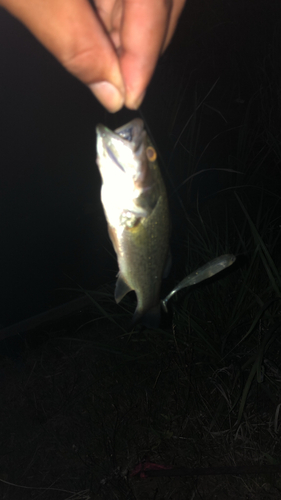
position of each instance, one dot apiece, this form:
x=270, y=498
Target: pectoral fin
x=121, y=289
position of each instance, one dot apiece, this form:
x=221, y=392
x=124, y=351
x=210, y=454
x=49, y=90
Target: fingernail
x=135, y=103
x=108, y=95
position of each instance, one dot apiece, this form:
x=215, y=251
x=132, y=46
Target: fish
x=207, y=271
x=134, y=199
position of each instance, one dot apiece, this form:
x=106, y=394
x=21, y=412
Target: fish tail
x=150, y=318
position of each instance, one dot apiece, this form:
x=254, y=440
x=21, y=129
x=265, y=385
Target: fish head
x=122, y=158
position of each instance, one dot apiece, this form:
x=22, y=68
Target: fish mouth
x=125, y=147
x=132, y=134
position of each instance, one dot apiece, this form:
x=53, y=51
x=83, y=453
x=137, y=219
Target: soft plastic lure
x=207, y=271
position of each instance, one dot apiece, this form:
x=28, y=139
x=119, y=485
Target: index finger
x=143, y=33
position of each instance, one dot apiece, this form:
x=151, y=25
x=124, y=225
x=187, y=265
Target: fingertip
x=134, y=101
x=108, y=95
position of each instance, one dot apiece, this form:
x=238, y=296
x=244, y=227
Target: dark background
x=50, y=217
x=52, y=228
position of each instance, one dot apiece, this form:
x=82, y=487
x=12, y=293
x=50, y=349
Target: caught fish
x=210, y=269
x=135, y=204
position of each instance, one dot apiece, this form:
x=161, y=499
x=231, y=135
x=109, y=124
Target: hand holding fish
x=113, y=48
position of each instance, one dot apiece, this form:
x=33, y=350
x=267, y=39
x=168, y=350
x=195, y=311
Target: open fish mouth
x=132, y=133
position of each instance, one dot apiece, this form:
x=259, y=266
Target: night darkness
x=52, y=224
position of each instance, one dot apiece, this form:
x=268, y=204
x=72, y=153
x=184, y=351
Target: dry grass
x=77, y=418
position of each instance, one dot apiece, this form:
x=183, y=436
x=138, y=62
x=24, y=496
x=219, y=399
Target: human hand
x=113, y=48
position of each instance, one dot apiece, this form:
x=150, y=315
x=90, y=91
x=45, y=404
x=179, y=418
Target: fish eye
x=151, y=153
